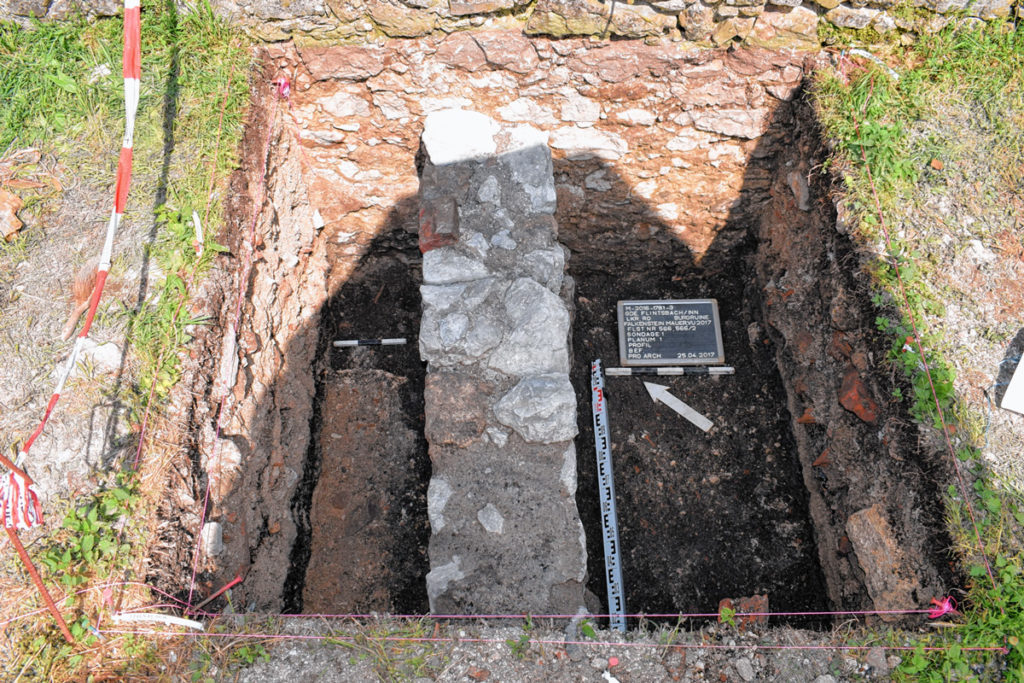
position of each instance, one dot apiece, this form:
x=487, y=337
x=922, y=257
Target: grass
x=61, y=87
x=873, y=121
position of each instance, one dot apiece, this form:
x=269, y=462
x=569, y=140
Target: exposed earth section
x=677, y=173
x=702, y=517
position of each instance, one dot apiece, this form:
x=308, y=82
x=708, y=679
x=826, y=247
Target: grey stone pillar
x=500, y=411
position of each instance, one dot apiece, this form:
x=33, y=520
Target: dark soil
x=368, y=528
x=702, y=517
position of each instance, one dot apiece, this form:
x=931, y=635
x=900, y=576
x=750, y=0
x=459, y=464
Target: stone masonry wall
x=500, y=410
x=764, y=23
x=673, y=142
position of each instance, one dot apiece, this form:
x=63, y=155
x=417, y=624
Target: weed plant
x=867, y=114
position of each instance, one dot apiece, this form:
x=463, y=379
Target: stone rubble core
x=500, y=410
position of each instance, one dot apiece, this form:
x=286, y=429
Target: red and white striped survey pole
x=19, y=506
x=132, y=71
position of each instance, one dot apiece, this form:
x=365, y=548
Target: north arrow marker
x=661, y=393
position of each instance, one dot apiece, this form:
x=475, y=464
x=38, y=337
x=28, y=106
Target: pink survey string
x=947, y=606
x=594, y=643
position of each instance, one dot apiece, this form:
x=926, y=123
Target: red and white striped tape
x=132, y=71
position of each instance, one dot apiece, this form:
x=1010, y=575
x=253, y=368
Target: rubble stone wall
x=500, y=410
x=764, y=23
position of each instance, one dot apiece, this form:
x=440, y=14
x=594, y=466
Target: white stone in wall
x=667, y=212
x=568, y=474
x=738, y=123
x=439, y=578
x=438, y=493
x=848, y=17
x=525, y=109
x=645, y=189
x=441, y=297
x=347, y=168
x=477, y=243
x=489, y=192
x=445, y=265
x=580, y=110
x=682, y=143
x=456, y=135
x=597, y=181
x=529, y=162
x=345, y=105
x=503, y=240
x=672, y=6
x=497, y=435
x=538, y=326
x=490, y=518
x=391, y=105
x=580, y=144
x=546, y=266
x=636, y=117
x=452, y=328
x=457, y=338
x=430, y=105
x=540, y=408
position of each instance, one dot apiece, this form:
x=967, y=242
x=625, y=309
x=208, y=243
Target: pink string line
x=540, y=641
x=181, y=604
x=242, y=286
x=908, y=311
x=947, y=606
x=941, y=608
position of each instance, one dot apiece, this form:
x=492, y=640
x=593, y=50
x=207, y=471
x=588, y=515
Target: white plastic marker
x=150, y=617
x=200, y=240
x=660, y=392
x=1013, y=399
x=369, y=342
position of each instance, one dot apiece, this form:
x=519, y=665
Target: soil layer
x=702, y=517
x=368, y=518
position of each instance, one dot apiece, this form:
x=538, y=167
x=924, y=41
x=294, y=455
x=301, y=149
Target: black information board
x=670, y=332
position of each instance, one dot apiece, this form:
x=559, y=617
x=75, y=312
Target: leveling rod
x=606, y=488
x=688, y=370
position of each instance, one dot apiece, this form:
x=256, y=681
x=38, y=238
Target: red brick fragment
x=439, y=224
x=855, y=397
x=807, y=418
x=478, y=674
x=754, y=607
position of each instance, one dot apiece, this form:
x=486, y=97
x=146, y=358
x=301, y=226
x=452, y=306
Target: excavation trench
x=679, y=175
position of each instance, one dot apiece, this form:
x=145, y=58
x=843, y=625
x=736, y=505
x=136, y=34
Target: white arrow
x=660, y=392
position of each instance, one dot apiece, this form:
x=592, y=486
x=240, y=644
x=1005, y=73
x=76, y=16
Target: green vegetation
x=395, y=648
x=90, y=540
x=520, y=645
x=61, y=86
x=160, y=327
x=883, y=158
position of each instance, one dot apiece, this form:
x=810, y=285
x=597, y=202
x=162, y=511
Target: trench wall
x=651, y=144
x=674, y=143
